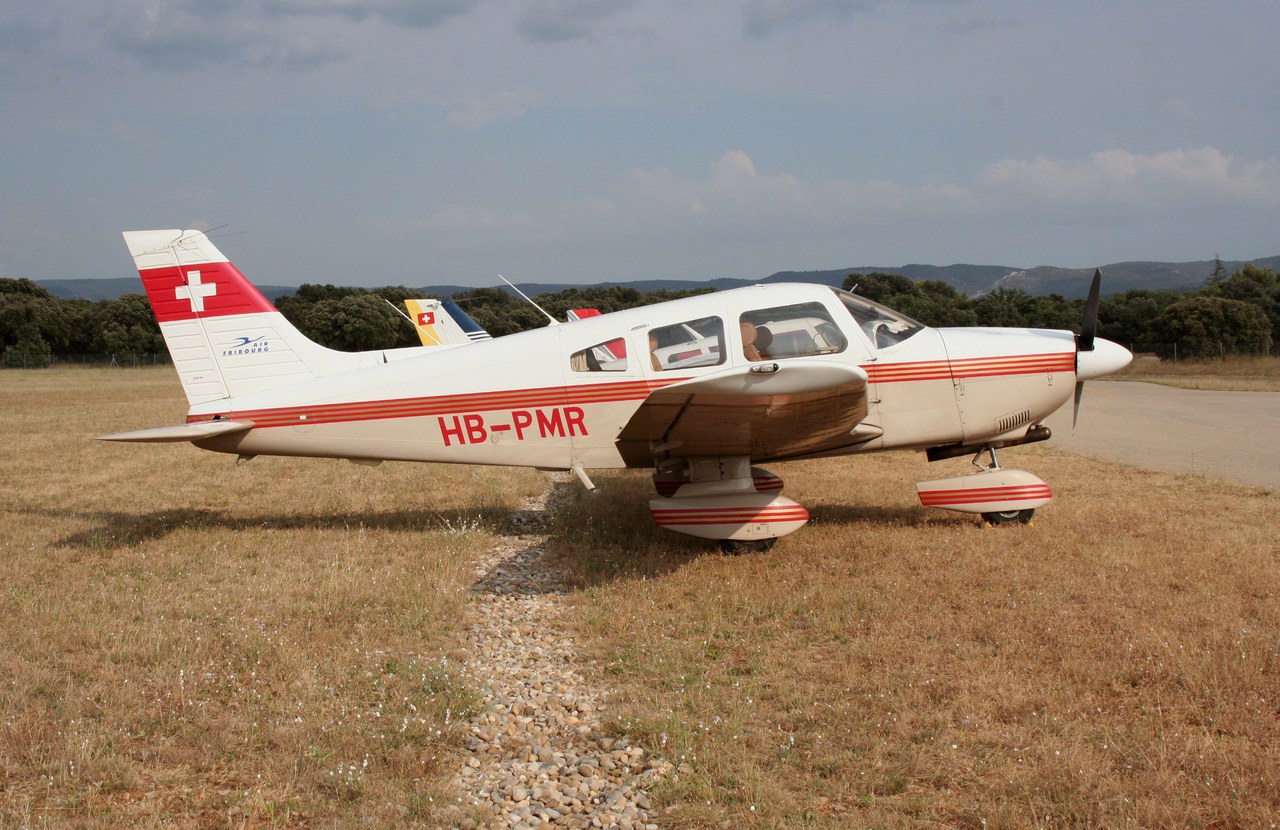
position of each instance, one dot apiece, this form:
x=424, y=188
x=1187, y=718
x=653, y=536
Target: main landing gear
x=726, y=500
x=754, y=546
x=1002, y=496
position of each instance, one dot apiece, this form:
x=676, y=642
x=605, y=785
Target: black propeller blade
x=1084, y=340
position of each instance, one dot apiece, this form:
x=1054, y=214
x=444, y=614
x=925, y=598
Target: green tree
x=499, y=312
x=1255, y=285
x=357, y=322
x=1211, y=326
x=1127, y=318
x=879, y=286
x=1219, y=272
x=932, y=302
x=126, y=325
x=318, y=312
x=33, y=323
x=295, y=306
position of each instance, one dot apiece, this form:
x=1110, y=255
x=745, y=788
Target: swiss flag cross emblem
x=426, y=318
x=195, y=291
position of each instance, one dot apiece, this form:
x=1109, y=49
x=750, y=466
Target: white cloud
x=1150, y=181
x=502, y=106
x=556, y=20
x=977, y=24
x=421, y=14
x=734, y=190
x=185, y=35
x=464, y=224
x=763, y=17
x=735, y=200
x=130, y=135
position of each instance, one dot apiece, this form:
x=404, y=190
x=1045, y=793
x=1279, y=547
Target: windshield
x=883, y=326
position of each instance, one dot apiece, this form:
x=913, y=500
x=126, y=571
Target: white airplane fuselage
x=939, y=386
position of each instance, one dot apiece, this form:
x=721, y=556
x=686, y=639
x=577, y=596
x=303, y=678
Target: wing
x=764, y=411
x=194, y=431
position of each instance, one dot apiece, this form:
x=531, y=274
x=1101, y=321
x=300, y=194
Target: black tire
x=1008, y=517
x=734, y=546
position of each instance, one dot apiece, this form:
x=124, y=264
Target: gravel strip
x=537, y=754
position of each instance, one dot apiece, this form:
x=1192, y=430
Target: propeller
x=1084, y=340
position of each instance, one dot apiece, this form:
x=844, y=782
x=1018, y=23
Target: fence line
x=1176, y=351
x=20, y=360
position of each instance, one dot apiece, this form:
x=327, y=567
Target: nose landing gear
x=1002, y=496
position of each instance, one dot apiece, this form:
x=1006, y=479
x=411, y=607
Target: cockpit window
x=789, y=331
x=883, y=326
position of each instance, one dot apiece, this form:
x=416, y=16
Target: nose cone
x=1106, y=357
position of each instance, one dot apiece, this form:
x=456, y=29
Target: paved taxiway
x=1230, y=435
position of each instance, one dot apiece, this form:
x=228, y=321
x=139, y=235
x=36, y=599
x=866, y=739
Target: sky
x=422, y=142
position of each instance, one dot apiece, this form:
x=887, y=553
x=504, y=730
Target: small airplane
x=700, y=390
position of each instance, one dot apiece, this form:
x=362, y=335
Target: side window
x=689, y=344
x=790, y=331
x=610, y=356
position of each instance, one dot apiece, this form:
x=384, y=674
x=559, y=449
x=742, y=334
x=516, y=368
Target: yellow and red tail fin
x=443, y=323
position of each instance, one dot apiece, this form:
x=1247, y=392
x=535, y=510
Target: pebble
x=537, y=754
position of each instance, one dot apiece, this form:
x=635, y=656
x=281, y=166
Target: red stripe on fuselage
x=970, y=368
x=420, y=407
x=638, y=390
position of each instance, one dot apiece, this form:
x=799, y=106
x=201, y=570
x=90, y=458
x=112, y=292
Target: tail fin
x=443, y=323
x=226, y=339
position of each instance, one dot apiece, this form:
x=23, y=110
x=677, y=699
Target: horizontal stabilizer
x=194, y=431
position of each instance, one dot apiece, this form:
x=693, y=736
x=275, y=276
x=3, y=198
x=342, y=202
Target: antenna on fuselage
x=512, y=286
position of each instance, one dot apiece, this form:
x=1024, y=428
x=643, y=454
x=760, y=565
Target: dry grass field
x=1235, y=374
x=189, y=643
x=1114, y=665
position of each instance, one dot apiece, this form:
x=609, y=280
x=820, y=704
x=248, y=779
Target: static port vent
x=1013, y=420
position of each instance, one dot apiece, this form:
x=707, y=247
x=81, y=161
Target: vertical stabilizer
x=443, y=323
x=225, y=337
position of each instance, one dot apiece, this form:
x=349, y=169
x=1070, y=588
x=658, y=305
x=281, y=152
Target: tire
x=734, y=546
x=1008, y=517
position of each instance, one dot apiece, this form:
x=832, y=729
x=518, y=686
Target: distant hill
x=1122, y=276
x=535, y=288
x=967, y=279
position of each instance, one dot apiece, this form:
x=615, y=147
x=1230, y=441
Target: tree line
x=1231, y=314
